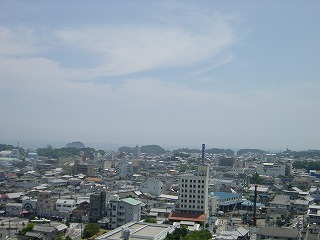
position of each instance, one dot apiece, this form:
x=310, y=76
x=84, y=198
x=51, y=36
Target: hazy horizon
x=33, y=144
x=243, y=74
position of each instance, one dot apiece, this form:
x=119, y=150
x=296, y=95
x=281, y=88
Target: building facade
x=65, y=205
x=274, y=169
x=152, y=186
x=193, y=197
x=98, y=206
x=45, y=204
x=123, y=211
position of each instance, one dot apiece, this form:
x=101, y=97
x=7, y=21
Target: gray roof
x=278, y=232
x=34, y=234
x=281, y=200
x=301, y=202
x=41, y=228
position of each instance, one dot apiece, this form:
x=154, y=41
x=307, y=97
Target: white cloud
x=130, y=48
x=19, y=41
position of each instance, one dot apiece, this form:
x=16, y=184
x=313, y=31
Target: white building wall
x=213, y=204
x=193, y=195
x=125, y=167
x=152, y=186
x=271, y=169
x=65, y=205
x=122, y=213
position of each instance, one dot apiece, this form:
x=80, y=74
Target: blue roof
x=223, y=195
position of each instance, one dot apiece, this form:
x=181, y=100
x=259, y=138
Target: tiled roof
x=187, y=217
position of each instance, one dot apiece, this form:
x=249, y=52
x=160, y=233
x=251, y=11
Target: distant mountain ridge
x=156, y=149
x=75, y=144
x=245, y=151
x=153, y=149
x=228, y=152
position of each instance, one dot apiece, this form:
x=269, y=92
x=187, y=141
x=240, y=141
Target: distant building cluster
x=122, y=192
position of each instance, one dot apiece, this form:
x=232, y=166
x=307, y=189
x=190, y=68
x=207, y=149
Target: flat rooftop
x=138, y=230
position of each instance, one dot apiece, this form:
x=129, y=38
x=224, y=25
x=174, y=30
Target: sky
x=230, y=74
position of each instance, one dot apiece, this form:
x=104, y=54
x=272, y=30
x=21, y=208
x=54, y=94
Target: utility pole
x=255, y=206
x=9, y=228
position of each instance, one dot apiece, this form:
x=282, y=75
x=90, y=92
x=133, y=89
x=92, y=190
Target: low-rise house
x=264, y=193
x=81, y=212
x=278, y=233
x=15, y=196
x=13, y=209
x=281, y=201
x=159, y=212
x=300, y=205
x=57, y=182
x=248, y=205
x=275, y=214
x=237, y=234
x=313, y=214
x=315, y=193
x=277, y=188
x=301, y=182
x=43, y=232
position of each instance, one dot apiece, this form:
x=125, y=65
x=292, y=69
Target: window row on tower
x=192, y=181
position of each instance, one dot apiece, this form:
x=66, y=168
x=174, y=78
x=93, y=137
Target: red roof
x=186, y=217
x=4, y=196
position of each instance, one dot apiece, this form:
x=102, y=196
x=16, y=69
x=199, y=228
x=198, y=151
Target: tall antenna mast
x=203, y=152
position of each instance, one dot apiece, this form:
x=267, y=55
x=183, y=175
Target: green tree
x=255, y=179
x=19, y=174
x=150, y=220
x=27, y=228
x=59, y=236
x=198, y=235
x=178, y=234
x=68, y=223
x=90, y=230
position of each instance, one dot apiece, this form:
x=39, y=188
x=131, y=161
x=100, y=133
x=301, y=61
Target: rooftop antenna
x=203, y=152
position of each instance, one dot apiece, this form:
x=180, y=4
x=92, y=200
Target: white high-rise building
x=193, y=196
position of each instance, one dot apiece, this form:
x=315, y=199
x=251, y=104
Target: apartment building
x=123, y=211
x=84, y=168
x=98, y=206
x=45, y=203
